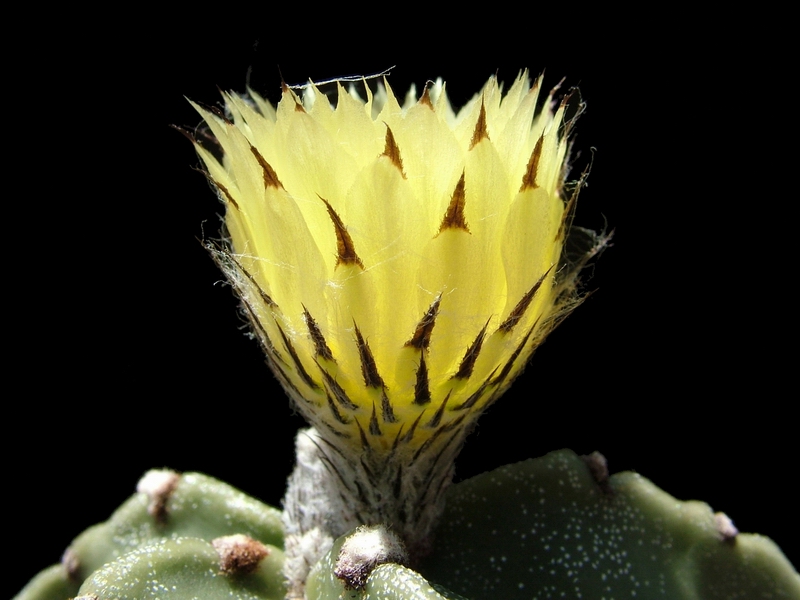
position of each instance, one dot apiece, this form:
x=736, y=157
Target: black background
x=128, y=352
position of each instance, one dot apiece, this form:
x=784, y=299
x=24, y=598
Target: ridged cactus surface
x=557, y=527
x=552, y=527
x=184, y=568
x=189, y=508
x=169, y=505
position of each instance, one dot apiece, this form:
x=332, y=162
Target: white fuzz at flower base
x=399, y=264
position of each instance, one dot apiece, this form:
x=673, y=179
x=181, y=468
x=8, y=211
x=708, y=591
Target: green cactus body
x=183, y=568
x=191, y=505
x=53, y=583
x=544, y=528
x=198, y=506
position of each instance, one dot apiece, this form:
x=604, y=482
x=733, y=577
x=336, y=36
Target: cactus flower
x=399, y=264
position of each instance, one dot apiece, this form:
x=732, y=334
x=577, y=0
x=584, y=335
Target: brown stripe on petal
x=507, y=367
x=215, y=110
x=569, y=210
x=338, y=391
x=321, y=347
x=407, y=437
x=225, y=192
x=427, y=443
x=374, y=428
x=330, y=446
x=432, y=472
x=345, y=249
x=263, y=336
x=444, y=478
x=264, y=296
x=454, y=216
x=364, y=441
x=270, y=176
x=455, y=423
x=334, y=431
x=290, y=388
x=370, y=475
x=471, y=355
x=299, y=365
x=481, y=132
x=473, y=399
x=328, y=463
x=186, y=133
x=529, y=178
x=571, y=112
x=422, y=336
x=387, y=413
x=285, y=89
x=422, y=392
x=335, y=411
x=508, y=325
x=397, y=439
x=437, y=418
x=220, y=188
x=426, y=97
x=392, y=152
x=368, y=367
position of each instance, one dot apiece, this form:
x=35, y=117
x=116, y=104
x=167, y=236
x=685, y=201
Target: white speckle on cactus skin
x=567, y=530
x=183, y=568
x=571, y=538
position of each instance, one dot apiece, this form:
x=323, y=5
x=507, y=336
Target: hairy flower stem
x=334, y=489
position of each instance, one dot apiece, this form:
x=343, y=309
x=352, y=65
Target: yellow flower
x=399, y=263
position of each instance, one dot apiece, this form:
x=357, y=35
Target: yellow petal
x=399, y=261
